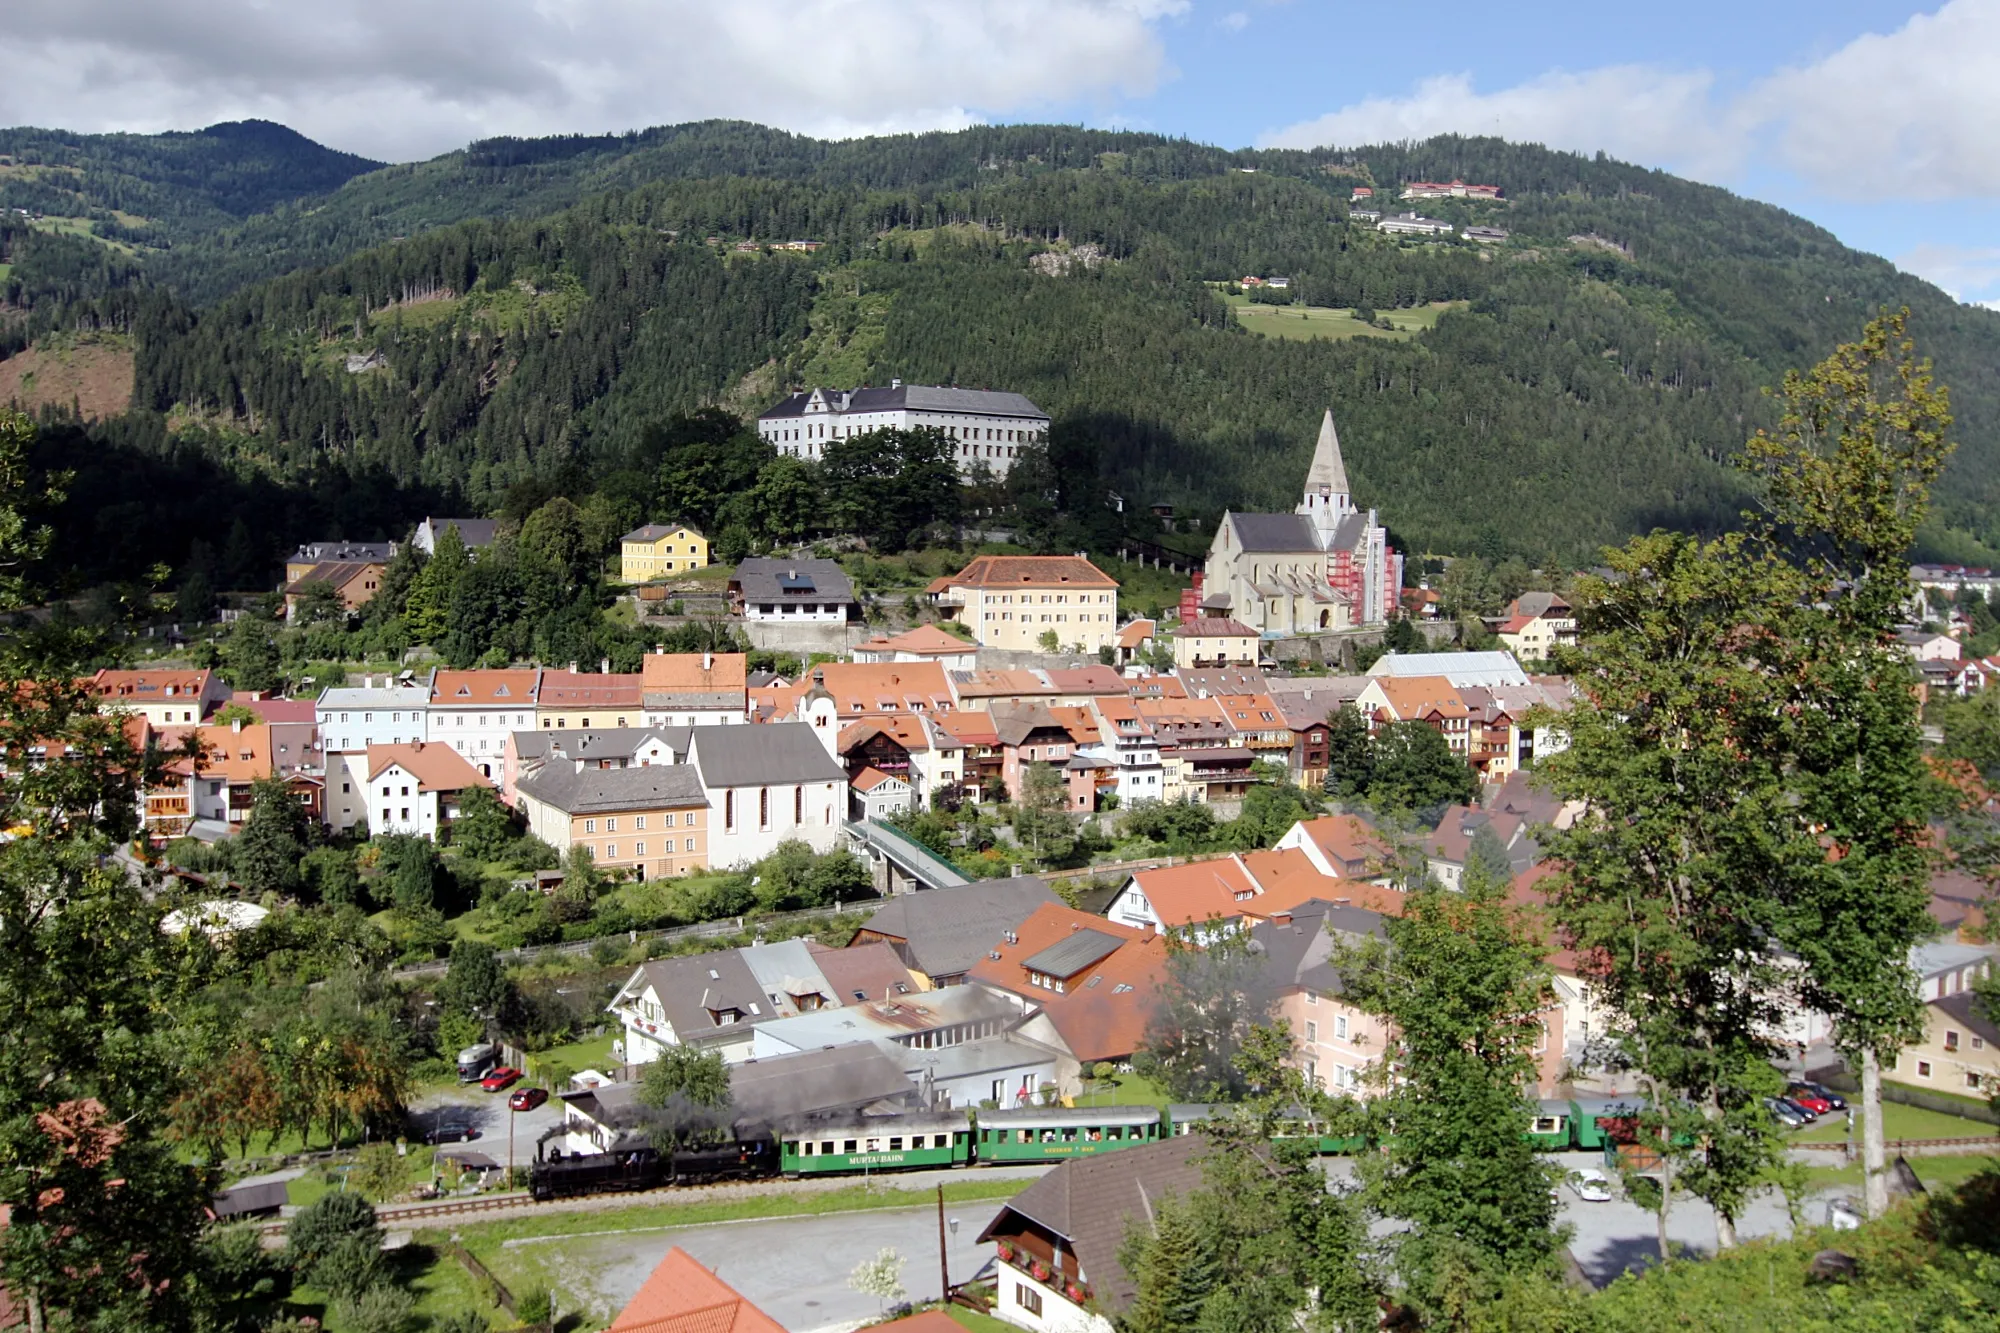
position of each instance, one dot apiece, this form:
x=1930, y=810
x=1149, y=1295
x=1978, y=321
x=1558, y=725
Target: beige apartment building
x=1011, y=601
x=649, y=822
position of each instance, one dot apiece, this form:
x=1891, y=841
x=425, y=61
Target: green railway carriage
x=885, y=1143
x=1593, y=1120
x=1553, y=1124
x=1054, y=1133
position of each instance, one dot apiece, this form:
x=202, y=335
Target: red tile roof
x=685, y=673
x=1013, y=571
x=683, y=1297
x=471, y=689
x=1103, y=1015
x=435, y=765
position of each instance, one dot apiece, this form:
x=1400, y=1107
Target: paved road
x=491, y=1120
x=794, y=1270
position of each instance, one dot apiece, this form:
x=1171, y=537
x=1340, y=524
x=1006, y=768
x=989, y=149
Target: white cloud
x=1959, y=269
x=1235, y=21
x=407, y=78
x=1910, y=112
x=1638, y=112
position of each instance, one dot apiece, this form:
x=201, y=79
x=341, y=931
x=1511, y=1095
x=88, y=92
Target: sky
x=1878, y=120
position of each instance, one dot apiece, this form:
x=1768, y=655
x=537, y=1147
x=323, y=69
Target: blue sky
x=1875, y=119
x=1259, y=72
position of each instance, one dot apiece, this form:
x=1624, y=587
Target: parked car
x=1821, y=1091
x=1799, y=1096
x=1787, y=1113
x=527, y=1099
x=1806, y=1111
x=451, y=1131
x=1591, y=1185
x=503, y=1077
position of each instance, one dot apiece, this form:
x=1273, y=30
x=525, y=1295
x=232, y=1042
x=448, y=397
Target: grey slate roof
x=1487, y=668
x=689, y=988
x=764, y=755
x=474, y=532
x=946, y=931
x=786, y=1090
x=1090, y=1203
x=585, y=791
x=652, y=532
x=765, y=579
x=916, y=398
x=598, y=743
x=1072, y=954
x=1964, y=1009
x=1275, y=532
x=1299, y=952
x=337, y=551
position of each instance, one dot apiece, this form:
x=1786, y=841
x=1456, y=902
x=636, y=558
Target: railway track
x=396, y=1215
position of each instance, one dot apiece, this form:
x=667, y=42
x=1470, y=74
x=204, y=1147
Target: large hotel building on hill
x=988, y=427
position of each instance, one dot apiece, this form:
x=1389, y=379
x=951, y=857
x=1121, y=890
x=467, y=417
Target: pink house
x=1335, y=1043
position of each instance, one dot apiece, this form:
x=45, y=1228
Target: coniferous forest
x=378, y=344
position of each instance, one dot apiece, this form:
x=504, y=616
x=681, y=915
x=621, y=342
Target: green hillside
x=538, y=306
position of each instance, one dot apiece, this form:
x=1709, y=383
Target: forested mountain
x=527, y=310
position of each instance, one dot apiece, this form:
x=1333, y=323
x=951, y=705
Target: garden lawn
x=578, y=1055
x=1132, y=1090
x=1935, y=1172
x=1898, y=1122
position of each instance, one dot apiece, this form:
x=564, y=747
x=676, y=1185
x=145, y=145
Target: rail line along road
x=494, y=1206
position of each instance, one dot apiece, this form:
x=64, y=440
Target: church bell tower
x=1327, y=499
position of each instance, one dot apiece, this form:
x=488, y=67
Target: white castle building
x=988, y=427
x=1324, y=566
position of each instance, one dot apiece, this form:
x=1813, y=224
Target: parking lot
x=491, y=1121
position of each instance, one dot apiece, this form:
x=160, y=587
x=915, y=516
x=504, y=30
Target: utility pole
x=944, y=1261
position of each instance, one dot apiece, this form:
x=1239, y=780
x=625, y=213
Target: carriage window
x=1069, y=1133
x=826, y=1149
x=874, y=1145
x=1545, y=1124
x=1022, y=1136
x=896, y=1143
x=850, y=1145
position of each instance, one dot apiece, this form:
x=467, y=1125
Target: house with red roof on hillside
x=1095, y=981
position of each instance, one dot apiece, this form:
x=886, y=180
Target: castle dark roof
x=913, y=398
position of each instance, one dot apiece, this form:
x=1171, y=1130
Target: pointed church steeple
x=1327, y=499
x=1328, y=475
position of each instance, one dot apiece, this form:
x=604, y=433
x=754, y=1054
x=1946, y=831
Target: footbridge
x=900, y=863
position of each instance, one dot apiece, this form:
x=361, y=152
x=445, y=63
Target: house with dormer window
x=473, y=711
x=714, y=1000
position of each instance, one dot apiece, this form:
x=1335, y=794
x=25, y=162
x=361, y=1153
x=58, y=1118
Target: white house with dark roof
x=988, y=428
x=767, y=785
x=1325, y=566
x=809, y=591
x=476, y=533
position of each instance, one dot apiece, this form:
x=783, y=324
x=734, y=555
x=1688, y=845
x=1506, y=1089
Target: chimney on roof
x=707, y=660
x=660, y=648
x=572, y=669
x=895, y=384
x=603, y=666
x=236, y=724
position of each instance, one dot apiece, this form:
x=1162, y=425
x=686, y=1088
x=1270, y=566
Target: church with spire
x=1324, y=566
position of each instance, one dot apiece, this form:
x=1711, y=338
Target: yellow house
x=659, y=549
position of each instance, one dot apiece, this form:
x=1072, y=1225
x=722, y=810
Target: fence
x=484, y=1276
x=1839, y=1079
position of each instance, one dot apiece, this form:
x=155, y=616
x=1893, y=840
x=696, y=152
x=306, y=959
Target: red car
x=527, y=1099
x=496, y=1079
x=1817, y=1105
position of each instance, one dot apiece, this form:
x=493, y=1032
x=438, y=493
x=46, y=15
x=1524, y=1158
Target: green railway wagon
x=885, y=1143
x=1591, y=1118
x=1553, y=1126
x=1054, y=1134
